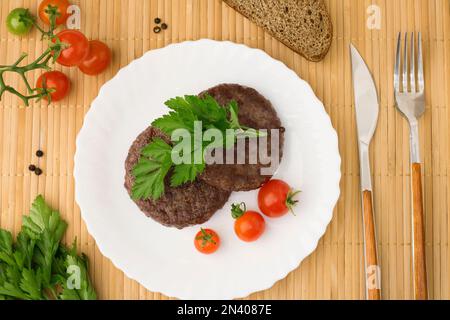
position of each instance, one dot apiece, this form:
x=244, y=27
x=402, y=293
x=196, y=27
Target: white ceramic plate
x=164, y=259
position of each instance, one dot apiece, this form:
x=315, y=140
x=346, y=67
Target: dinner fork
x=409, y=94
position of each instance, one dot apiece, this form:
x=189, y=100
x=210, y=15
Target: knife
x=367, y=109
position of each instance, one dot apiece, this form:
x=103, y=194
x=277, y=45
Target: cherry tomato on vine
x=207, y=241
x=57, y=81
x=19, y=21
x=276, y=198
x=97, y=60
x=77, y=48
x=249, y=225
x=61, y=7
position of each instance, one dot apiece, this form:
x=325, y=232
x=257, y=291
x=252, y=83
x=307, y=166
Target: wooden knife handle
x=372, y=268
x=420, y=271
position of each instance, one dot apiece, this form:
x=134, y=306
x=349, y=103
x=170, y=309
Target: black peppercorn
x=32, y=167
x=39, y=153
x=156, y=29
x=164, y=26
x=157, y=20
x=38, y=171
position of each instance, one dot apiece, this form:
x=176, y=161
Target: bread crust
x=281, y=19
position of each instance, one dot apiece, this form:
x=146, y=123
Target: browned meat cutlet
x=187, y=205
x=256, y=112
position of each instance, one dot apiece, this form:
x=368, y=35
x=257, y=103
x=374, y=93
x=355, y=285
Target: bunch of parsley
x=35, y=266
x=156, y=158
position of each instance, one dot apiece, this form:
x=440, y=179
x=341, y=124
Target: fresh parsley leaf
x=24, y=249
x=189, y=109
x=15, y=281
x=7, y=256
x=9, y=271
x=209, y=112
x=182, y=117
x=6, y=242
x=234, y=118
x=3, y=278
x=178, y=104
x=35, y=265
x=43, y=219
x=151, y=170
x=184, y=173
x=150, y=184
x=155, y=162
x=8, y=289
x=47, y=228
x=188, y=170
x=31, y=283
x=66, y=259
x=174, y=121
x=86, y=290
x=157, y=150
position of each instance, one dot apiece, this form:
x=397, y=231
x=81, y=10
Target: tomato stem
x=238, y=210
x=243, y=132
x=53, y=14
x=290, y=201
x=41, y=63
x=205, y=237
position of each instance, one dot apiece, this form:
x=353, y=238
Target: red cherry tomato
x=57, y=81
x=207, y=241
x=249, y=225
x=61, y=7
x=77, y=48
x=97, y=60
x=276, y=198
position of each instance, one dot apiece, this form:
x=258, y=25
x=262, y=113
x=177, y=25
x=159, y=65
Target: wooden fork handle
x=372, y=267
x=420, y=271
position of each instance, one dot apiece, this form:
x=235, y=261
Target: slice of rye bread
x=302, y=25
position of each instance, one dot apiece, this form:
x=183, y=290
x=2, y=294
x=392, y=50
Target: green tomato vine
x=41, y=63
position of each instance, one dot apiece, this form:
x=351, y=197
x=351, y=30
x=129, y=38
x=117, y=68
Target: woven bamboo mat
x=335, y=269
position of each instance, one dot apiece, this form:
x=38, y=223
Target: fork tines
x=409, y=80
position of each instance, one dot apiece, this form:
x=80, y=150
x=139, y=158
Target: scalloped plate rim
x=109, y=252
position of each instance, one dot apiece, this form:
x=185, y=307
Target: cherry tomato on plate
x=57, y=81
x=207, y=241
x=77, y=48
x=276, y=198
x=19, y=21
x=61, y=7
x=249, y=225
x=97, y=60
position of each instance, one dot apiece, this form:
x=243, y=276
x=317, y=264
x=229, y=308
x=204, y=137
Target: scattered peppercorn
x=164, y=26
x=39, y=153
x=38, y=171
x=32, y=167
x=156, y=29
x=157, y=20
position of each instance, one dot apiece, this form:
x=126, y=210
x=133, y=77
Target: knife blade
x=366, y=107
x=367, y=110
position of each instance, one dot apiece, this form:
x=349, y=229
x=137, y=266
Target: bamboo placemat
x=334, y=270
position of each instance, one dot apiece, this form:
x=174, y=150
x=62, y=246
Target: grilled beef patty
x=187, y=205
x=255, y=112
